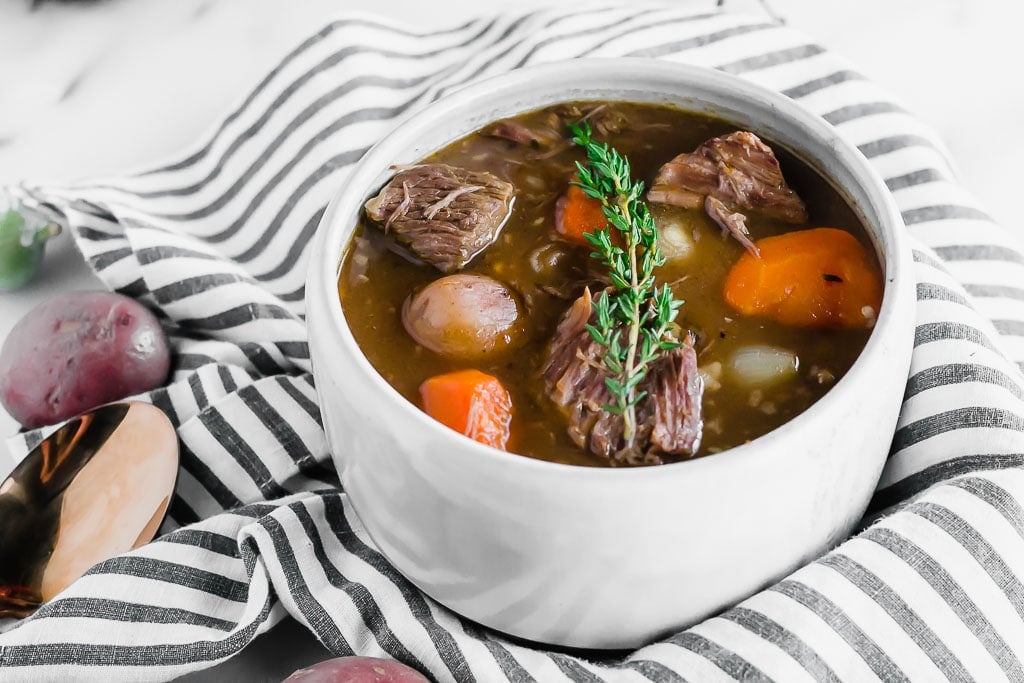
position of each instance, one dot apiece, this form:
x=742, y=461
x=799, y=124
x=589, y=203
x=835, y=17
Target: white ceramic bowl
x=606, y=558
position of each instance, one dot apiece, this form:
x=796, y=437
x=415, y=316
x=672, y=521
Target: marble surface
x=93, y=88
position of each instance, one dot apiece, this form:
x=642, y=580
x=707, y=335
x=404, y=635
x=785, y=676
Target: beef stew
x=467, y=262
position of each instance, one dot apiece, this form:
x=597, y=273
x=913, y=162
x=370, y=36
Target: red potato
x=462, y=316
x=358, y=670
x=78, y=351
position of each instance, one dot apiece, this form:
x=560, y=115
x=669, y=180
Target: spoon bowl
x=98, y=486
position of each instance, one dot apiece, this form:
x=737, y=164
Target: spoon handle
x=18, y=601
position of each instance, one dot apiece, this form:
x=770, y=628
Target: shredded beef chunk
x=685, y=181
x=551, y=132
x=739, y=172
x=604, y=119
x=444, y=215
x=675, y=389
x=733, y=223
x=668, y=417
x=539, y=137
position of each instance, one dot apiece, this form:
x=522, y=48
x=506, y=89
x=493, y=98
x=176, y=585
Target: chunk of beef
x=685, y=181
x=574, y=376
x=739, y=172
x=552, y=133
x=540, y=136
x=604, y=119
x=668, y=417
x=444, y=215
x=675, y=389
x=733, y=223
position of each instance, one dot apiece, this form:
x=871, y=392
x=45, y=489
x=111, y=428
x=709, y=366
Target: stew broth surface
x=547, y=273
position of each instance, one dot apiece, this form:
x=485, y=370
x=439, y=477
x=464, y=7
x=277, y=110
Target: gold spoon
x=97, y=487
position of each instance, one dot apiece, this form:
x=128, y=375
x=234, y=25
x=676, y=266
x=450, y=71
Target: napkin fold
x=217, y=243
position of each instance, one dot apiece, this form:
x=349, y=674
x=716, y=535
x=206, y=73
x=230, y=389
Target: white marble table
x=96, y=87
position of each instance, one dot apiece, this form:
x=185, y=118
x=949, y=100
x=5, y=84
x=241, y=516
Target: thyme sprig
x=634, y=318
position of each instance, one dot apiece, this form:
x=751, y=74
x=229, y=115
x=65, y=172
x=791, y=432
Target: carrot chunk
x=471, y=403
x=821, y=277
x=576, y=213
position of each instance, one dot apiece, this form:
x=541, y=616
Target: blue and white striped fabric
x=217, y=243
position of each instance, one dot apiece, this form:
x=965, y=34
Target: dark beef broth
x=547, y=274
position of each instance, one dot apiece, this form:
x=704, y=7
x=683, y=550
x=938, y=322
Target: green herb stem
x=635, y=307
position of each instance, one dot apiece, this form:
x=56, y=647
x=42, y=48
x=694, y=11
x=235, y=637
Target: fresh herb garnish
x=23, y=235
x=634, y=319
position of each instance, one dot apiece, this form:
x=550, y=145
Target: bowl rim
x=326, y=264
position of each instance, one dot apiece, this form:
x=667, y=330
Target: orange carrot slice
x=576, y=213
x=821, y=277
x=470, y=402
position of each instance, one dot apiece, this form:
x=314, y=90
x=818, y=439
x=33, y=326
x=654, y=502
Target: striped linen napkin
x=218, y=241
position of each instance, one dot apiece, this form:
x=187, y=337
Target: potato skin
x=462, y=316
x=78, y=351
x=358, y=670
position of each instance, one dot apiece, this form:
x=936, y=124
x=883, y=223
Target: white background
x=96, y=87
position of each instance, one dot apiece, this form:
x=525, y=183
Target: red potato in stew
x=78, y=351
x=462, y=316
x=743, y=375
x=358, y=670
